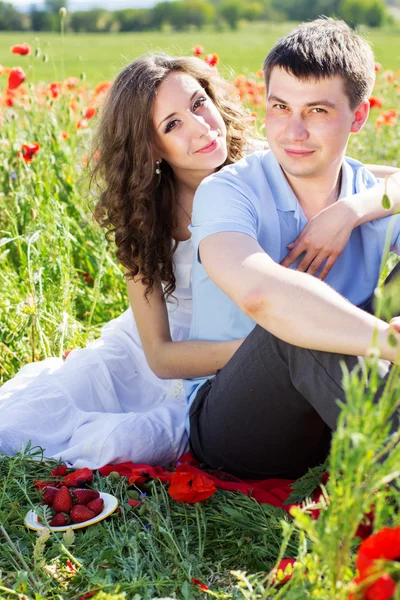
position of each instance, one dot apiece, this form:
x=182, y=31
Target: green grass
x=101, y=56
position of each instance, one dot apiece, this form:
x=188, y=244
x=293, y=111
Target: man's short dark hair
x=325, y=48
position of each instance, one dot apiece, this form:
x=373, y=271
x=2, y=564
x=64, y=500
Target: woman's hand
x=395, y=324
x=322, y=239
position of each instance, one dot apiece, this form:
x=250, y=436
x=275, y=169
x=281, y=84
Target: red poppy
x=134, y=503
x=138, y=476
x=89, y=595
x=90, y=112
x=102, y=88
x=212, y=59
x=200, y=585
x=80, y=476
x=54, y=89
x=39, y=484
x=82, y=124
x=15, y=78
x=190, y=487
x=71, y=83
x=377, y=548
x=21, y=49
x=198, y=50
x=28, y=151
x=284, y=571
x=60, y=471
x=66, y=353
x=64, y=135
x=375, y=102
x=377, y=66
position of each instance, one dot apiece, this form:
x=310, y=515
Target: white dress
x=103, y=404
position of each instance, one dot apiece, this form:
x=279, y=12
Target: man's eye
x=319, y=110
x=199, y=102
x=280, y=106
x=170, y=125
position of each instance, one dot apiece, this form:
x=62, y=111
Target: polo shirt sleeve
x=222, y=205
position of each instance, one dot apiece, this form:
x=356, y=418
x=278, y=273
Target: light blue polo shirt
x=254, y=197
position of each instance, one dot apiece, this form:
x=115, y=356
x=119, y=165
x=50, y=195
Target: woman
x=167, y=123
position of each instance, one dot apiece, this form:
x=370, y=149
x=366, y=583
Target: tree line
x=182, y=15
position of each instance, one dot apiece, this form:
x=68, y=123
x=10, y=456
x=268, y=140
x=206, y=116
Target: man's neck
x=315, y=194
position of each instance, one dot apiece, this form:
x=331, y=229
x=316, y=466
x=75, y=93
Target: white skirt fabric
x=103, y=405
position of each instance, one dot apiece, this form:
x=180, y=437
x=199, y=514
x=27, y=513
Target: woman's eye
x=199, y=102
x=279, y=106
x=170, y=125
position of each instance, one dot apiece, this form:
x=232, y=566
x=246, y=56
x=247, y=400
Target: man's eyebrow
x=174, y=113
x=323, y=102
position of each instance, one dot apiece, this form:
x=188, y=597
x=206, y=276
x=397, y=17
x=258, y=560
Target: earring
x=158, y=170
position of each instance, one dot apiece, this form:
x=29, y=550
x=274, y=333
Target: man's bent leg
x=270, y=411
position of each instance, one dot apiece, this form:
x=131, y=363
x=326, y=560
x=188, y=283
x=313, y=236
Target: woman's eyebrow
x=174, y=113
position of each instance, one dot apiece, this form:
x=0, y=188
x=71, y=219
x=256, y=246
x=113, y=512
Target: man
x=271, y=410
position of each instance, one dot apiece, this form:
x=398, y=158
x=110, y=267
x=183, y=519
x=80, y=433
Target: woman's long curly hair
x=137, y=208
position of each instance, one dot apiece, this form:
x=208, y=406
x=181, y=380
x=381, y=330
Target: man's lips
x=298, y=153
x=209, y=147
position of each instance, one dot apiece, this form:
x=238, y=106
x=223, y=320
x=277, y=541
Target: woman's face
x=190, y=132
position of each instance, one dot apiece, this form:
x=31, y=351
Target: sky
x=25, y=5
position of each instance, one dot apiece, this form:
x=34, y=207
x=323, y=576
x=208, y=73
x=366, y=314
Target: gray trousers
x=271, y=410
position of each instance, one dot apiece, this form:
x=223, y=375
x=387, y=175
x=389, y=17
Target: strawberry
x=59, y=520
x=80, y=513
x=96, y=505
x=62, y=501
x=49, y=493
x=85, y=496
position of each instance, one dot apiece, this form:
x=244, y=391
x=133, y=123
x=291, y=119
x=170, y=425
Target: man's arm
x=294, y=306
x=326, y=234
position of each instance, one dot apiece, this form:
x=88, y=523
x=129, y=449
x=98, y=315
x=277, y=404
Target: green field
x=101, y=56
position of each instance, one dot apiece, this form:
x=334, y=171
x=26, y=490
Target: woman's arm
x=168, y=359
x=326, y=234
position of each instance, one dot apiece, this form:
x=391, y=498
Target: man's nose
x=296, y=128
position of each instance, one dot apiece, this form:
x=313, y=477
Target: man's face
x=308, y=123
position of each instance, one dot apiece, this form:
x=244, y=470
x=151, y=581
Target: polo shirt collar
x=284, y=197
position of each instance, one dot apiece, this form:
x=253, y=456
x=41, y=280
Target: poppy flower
x=28, y=151
x=64, y=135
x=89, y=112
x=377, y=548
x=212, y=59
x=21, y=49
x=59, y=471
x=375, y=102
x=198, y=50
x=15, y=78
x=283, y=572
x=200, y=585
x=54, y=89
x=89, y=595
x=102, y=88
x=82, y=124
x=138, y=476
x=79, y=476
x=71, y=83
x=190, y=487
x=377, y=67
x=134, y=503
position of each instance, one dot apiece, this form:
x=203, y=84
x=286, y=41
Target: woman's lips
x=210, y=148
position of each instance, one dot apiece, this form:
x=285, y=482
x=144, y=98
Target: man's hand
x=322, y=239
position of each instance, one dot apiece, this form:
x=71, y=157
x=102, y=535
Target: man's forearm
x=367, y=205
x=306, y=312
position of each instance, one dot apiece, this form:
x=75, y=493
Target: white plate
x=110, y=504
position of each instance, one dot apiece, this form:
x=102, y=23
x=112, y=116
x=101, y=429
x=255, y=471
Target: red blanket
x=269, y=491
